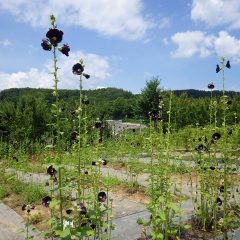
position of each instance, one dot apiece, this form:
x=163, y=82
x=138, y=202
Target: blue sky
x=124, y=42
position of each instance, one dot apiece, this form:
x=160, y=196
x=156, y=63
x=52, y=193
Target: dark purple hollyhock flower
x=64, y=49
x=221, y=189
x=104, y=162
x=46, y=201
x=24, y=207
x=74, y=136
x=77, y=69
x=87, y=76
x=69, y=211
x=210, y=86
x=46, y=44
x=216, y=136
x=153, y=116
x=229, y=101
x=98, y=124
x=52, y=171
x=219, y=201
x=218, y=69
x=15, y=158
x=55, y=36
x=93, y=226
x=85, y=101
x=102, y=196
x=228, y=64
x=201, y=148
x=83, y=209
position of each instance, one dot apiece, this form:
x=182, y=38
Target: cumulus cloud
x=199, y=43
x=190, y=43
x=217, y=12
x=97, y=66
x=122, y=18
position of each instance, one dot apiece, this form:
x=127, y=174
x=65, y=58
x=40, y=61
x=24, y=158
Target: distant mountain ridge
x=103, y=94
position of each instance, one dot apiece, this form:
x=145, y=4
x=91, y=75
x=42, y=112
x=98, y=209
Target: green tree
x=148, y=101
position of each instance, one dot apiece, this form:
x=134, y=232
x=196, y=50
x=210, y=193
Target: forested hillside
x=26, y=113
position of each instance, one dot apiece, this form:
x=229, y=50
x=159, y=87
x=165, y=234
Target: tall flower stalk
x=50, y=43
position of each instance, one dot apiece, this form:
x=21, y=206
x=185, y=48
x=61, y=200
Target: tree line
x=26, y=113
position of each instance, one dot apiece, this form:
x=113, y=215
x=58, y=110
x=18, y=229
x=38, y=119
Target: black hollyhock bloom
x=98, y=125
x=83, y=209
x=102, y=197
x=218, y=69
x=74, y=136
x=104, y=162
x=87, y=76
x=228, y=65
x=93, y=226
x=15, y=158
x=24, y=207
x=211, y=86
x=154, y=115
x=229, y=101
x=219, y=201
x=46, y=44
x=69, y=211
x=216, y=136
x=77, y=69
x=201, y=148
x=55, y=36
x=52, y=171
x=64, y=49
x=46, y=201
x=85, y=101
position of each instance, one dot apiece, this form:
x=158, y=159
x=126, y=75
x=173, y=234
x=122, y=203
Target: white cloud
x=32, y=78
x=217, y=12
x=227, y=46
x=122, y=18
x=97, y=66
x=5, y=43
x=190, y=43
x=197, y=42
